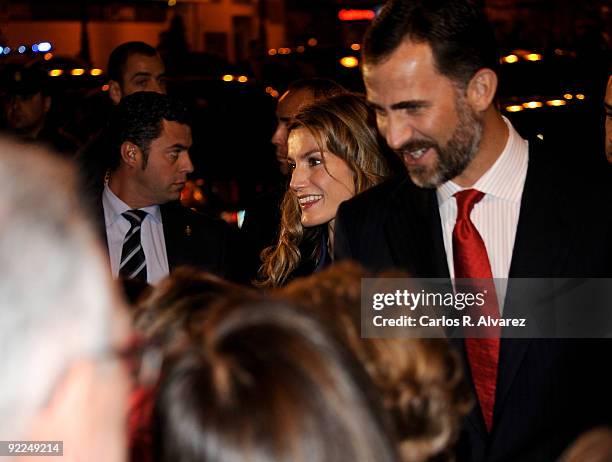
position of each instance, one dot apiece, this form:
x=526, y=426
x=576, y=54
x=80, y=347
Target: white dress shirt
x=151, y=235
x=496, y=215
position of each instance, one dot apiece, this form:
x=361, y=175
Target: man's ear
x=129, y=153
x=481, y=89
x=114, y=91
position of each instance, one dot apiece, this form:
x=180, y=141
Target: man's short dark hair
x=458, y=32
x=320, y=88
x=119, y=56
x=139, y=119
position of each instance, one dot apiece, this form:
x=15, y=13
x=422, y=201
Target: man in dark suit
x=147, y=230
x=430, y=73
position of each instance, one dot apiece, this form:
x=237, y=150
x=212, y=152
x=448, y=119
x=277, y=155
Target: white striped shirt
x=496, y=215
x=151, y=236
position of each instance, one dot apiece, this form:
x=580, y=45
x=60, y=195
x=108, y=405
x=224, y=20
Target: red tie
x=471, y=261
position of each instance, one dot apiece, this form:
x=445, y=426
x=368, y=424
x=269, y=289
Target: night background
x=229, y=60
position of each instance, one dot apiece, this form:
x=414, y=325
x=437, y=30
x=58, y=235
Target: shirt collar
x=114, y=207
x=505, y=178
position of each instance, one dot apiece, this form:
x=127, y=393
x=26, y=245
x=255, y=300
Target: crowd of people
x=134, y=328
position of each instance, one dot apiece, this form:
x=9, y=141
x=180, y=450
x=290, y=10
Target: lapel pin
x=187, y=230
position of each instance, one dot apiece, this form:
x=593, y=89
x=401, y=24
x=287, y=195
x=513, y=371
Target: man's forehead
x=175, y=131
x=139, y=63
x=409, y=72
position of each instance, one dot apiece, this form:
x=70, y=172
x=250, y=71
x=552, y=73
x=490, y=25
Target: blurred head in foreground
x=267, y=384
x=61, y=321
x=419, y=379
x=593, y=446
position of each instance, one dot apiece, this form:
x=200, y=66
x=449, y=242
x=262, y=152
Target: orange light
x=272, y=51
x=580, y=96
x=533, y=57
x=243, y=79
x=171, y=2
x=355, y=47
x=227, y=78
x=284, y=51
x=510, y=59
x=568, y=96
x=77, y=72
x=96, y=72
x=48, y=56
x=300, y=49
x=514, y=108
x=556, y=102
x=105, y=87
x=356, y=15
x=312, y=42
x=55, y=72
x=532, y=105
x=349, y=61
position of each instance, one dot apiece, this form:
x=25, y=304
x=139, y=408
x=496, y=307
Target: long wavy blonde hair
x=345, y=126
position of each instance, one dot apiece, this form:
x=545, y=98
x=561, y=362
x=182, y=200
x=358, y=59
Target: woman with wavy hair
x=333, y=154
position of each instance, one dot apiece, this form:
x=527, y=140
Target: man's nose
x=279, y=137
x=398, y=132
x=186, y=164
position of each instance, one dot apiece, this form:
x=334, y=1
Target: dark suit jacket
x=194, y=239
x=548, y=390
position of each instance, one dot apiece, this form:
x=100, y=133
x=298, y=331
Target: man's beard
x=453, y=158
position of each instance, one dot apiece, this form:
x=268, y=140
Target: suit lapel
x=414, y=233
x=541, y=246
x=173, y=235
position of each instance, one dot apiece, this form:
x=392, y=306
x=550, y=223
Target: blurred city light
x=355, y=47
x=510, y=59
x=48, y=56
x=44, y=47
x=55, y=72
x=532, y=105
x=568, y=96
x=272, y=51
x=312, y=42
x=533, y=57
x=21, y=49
x=77, y=71
x=349, y=61
x=556, y=102
x=243, y=79
x=580, y=96
x=514, y=108
x=356, y=15
x=95, y=72
x=227, y=78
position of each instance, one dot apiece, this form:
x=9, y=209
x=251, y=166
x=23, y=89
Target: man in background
x=26, y=105
x=61, y=321
x=147, y=230
x=132, y=67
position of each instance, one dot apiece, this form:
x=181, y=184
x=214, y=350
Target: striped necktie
x=133, y=263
